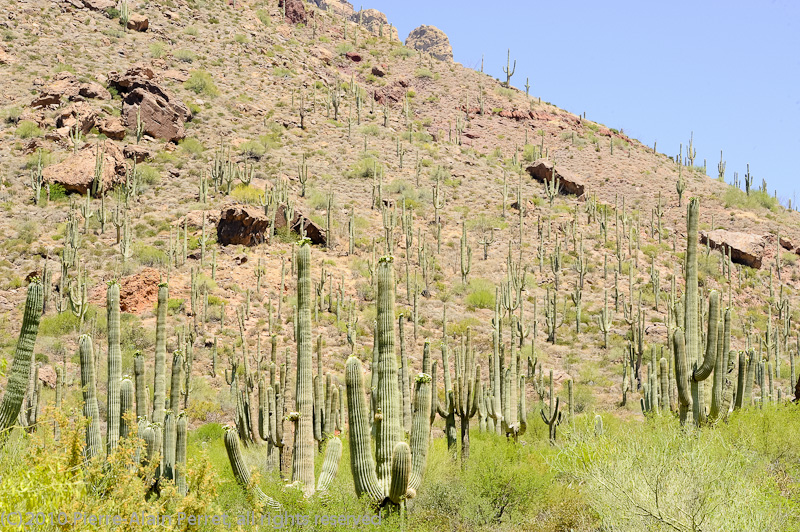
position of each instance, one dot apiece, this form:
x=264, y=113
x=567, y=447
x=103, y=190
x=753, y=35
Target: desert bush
x=200, y=82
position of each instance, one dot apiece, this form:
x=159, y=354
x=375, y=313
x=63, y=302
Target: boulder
x=78, y=114
x=138, y=22
x=375, y=22
x=745, y=248
x=248, y=226
x=392, y=93
x=295, y=11
x=353, y=56
x=76, y=172
x=137, y=293
x=139, y=154
x=6, y=58
x=138, y=76
x=379, y=71
x=338, y=7
x=432, y=40
x=161, y=118
x=112, y=127
x=99, y=5
x=65, y=85
x=162, y=114
x=542, y=171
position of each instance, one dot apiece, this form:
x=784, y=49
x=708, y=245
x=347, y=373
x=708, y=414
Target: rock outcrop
x=78, y=115
x=76, y=172
x=248, y=226
x=432, y=40
x=295, y=11
x=542, y=171
x=745, y=248
x=163, y=115
x=339, y=7
x=138, y=22
x=375, y=22
x=66, y=86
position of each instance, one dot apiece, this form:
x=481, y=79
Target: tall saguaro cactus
x=160, y=370
x=21, y=367
x=114, y=367
x=303, y=454
x=395, y=472
x=89, y=387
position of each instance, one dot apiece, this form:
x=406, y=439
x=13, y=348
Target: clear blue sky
x=729, y=71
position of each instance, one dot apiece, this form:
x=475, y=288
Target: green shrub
x=149, y=255
x=364, y=167
x=737, y=198
x=147, y=174
x=12, y=114
x=156, y=50
x=200, y=82
x=28, y=129
x=174, y=306
x=185, y=56
x=481, y=294
x=192, y=146
x=423, y=73
x=253, y=149
x=403, y=52
x=247, y=194
x=263, y=16
x=343, y=48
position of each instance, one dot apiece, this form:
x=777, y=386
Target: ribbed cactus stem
x=180, y=454
x=330, y=465
x=125, y=407
x=420, y=430
x=388, y=429
x=21, y=366
x=362, y=462
x=114, y=367
x=401, y=472
x=89, y=388
x=160, y=370
x=405, y=387
x=141, y=389
x=682, y=375
x=691, y=297
x=242, y=473
x=168, y=448
x=740, y=382
x=303, y=455
x=175, y=387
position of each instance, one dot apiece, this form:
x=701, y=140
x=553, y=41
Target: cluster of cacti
x=395, y=472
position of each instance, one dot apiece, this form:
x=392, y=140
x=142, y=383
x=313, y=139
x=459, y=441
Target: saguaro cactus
x=89, y=388
x=303, y=455
x=114, y=367
x=395, y=472
x=21, y=367
x=180, y=454
x=160, y=370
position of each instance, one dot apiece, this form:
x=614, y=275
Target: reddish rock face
x=745, y=248
x=76, y=172
x=542, y=171
x=295, y=11
x=66, y=86
x=78, y=114
x=248, y=226
x=112, y=128
x=162, y=114
x=161, y=118
x=138, y=22
x=139, y=293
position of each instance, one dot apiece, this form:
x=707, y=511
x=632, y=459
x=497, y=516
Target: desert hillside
x=197, y=158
